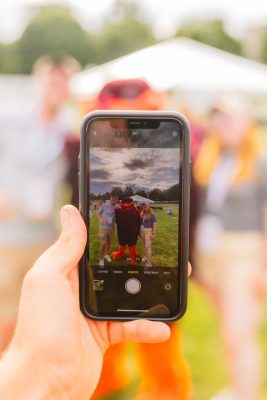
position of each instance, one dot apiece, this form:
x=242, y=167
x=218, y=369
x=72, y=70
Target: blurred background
x=204, y=58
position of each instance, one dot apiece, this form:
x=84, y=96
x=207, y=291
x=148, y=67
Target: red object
x=133, y=254
x=129, y=94
x=119, y=254
x=128, y=223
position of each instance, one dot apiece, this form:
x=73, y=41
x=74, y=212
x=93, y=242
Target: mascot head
x=129, y=94
x=127, y=203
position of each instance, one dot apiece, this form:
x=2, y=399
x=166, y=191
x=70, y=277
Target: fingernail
x=162, y=331
x=65, y=218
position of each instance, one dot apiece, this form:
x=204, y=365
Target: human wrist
x=23, y=376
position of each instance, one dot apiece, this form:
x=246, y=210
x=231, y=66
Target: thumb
x=65, y=254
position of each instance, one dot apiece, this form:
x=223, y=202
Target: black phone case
x=184, y=226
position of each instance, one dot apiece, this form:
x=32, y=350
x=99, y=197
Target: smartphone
x=134, y=178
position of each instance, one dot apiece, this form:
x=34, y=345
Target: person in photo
x=106, y=217
x=128, y=226
x=148, y=231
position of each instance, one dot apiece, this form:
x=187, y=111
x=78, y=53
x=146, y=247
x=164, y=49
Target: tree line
x=54, y=31
x=156, y=194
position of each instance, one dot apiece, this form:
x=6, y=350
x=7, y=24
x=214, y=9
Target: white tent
x=181, y=64
x=141, y=199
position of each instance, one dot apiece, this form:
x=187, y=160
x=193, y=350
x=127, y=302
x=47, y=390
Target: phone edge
x=186, y=207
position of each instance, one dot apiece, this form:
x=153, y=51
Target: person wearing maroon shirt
x=128, y=225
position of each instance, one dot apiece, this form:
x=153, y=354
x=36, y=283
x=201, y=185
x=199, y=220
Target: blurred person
x=197, y=133
x=106, y=217
x=56, y=351
x=231, y=172
x=32, y=167
x=90, y=210
x=171, y=378
x=148, y=232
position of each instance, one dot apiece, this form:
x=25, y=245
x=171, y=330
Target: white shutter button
x=133, y=286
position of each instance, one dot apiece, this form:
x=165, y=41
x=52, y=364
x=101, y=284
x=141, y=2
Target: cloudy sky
x=139, y=168
x=165, y=15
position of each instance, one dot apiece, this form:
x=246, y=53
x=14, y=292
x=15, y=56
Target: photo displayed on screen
x=134, y=195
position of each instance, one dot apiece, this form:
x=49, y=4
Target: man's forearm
x=99, y=217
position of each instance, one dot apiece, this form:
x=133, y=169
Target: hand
x=56, y=352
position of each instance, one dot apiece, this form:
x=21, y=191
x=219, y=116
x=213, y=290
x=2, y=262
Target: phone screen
x=134, y=199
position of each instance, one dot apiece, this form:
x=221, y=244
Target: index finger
x=140, y=331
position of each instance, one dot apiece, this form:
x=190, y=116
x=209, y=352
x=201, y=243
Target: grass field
x=164, y=247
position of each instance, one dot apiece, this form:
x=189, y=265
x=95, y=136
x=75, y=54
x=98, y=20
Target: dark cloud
x=143, y=169
x=171, y=172
x=99, y=174
x=94, y=158
x=139, y=163
x=97, y=187
x=165, y=177
x=133, y=176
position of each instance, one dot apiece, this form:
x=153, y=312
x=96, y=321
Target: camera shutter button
x=133, y=286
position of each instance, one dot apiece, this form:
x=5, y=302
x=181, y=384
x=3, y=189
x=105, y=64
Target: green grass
x=164, y=245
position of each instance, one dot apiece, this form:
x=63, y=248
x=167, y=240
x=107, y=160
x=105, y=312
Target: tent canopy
x=141, y=199
x=181, y=64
